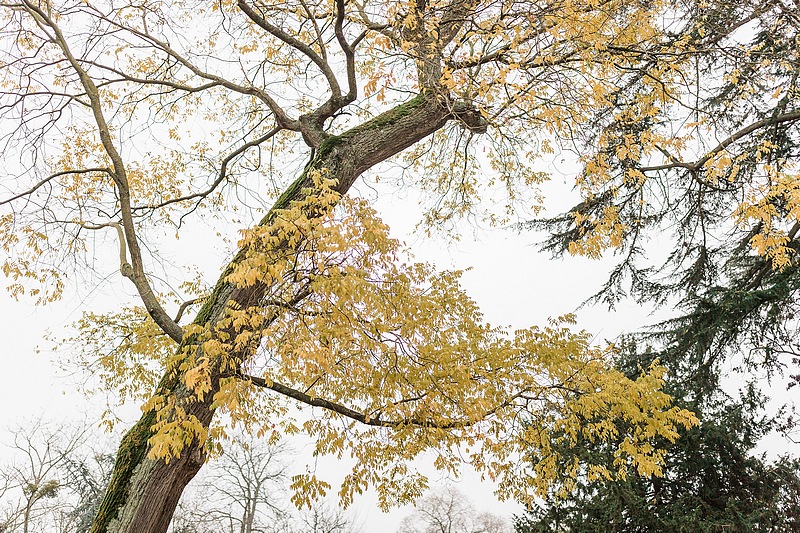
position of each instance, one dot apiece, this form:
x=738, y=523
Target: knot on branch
x=311, y=129
x=470, y=116
x=126, y=269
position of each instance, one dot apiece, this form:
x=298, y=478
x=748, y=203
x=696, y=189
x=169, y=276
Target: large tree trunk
x=143, y=493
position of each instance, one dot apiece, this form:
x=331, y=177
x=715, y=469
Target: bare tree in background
x=55, y=477
x=239, y=494
x=244, y=491
x=53, y=480
x=450, y=511
x=323, y=518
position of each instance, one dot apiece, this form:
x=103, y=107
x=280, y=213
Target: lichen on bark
x=132, y=450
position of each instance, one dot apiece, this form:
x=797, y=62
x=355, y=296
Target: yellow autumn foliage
x=403, y=345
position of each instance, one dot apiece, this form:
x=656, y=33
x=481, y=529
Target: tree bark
x=143, y=493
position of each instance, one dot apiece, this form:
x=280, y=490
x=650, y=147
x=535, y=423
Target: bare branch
x=125, y=268
x=185, y=305
x=52, y=177
x=311, y=124
x=280, y=115
x=149, y=81
x=352, y=84
x=223, y=171
x=313, y=18
x=298, y=45
x=383, y=29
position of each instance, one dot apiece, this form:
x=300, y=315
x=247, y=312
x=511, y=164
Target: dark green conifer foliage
x=714, y=480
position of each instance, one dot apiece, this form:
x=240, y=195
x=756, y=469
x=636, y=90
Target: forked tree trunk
x=143, y=493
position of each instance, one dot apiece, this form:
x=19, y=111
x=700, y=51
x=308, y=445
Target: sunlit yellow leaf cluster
x=775, y=209
x=403, y=345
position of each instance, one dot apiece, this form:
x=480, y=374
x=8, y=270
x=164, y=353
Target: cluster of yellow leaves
x=307, y=489
x=23, y=246
x=404, y=346
x=775, y=207
x=31, y=242
x=174, y=428
x=123, y=351
x=660, y=133
x=42, y=245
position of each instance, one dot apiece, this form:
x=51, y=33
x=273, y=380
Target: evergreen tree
x=723, y=196
x=712, y=479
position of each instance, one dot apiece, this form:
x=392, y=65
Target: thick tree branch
x=125, y=268
x=350, y=61
x=185, y=305
x=363, y=417
x=346, y=411
x=452, y=20
x=698, y=165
